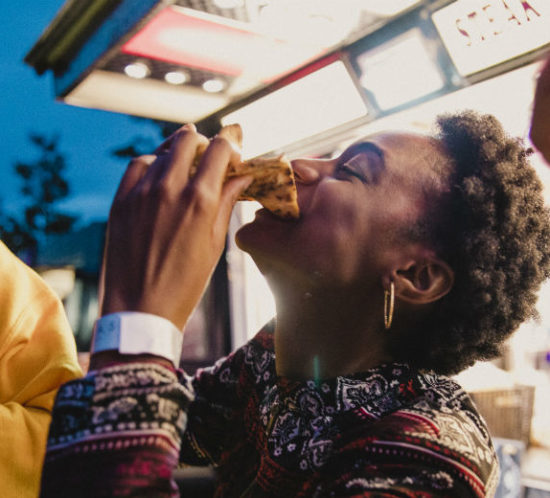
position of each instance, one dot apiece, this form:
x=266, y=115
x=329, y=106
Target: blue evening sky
x=86, y=136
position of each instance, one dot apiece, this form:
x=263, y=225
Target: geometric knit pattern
x=389, y=431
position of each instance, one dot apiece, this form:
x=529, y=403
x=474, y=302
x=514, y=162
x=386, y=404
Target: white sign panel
x=322, y=100
x=482, y=33
x=399, y=71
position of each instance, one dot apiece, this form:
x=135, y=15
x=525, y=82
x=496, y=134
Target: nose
x=307, y=171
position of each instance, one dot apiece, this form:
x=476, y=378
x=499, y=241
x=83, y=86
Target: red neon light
x=178, y=38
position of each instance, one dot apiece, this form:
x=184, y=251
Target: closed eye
x=356, y=166
x=348, y=170
x=364, y=161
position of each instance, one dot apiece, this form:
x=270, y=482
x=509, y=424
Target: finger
x=135, y=171
x=231, y=191
x=181, y=159
x=178, y=159
x=214, y=162
x=165, y=146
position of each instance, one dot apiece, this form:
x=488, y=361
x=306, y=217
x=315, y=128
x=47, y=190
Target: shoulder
x=21, y=290
x=446, y=421
x=437, y=438
x=35, y=329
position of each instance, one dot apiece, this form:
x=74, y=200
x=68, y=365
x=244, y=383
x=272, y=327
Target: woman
x=413, y=257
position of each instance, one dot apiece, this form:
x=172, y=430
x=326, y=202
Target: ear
x=423, y=282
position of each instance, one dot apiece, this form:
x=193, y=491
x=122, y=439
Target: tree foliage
x=42, y=185
x=142, y=144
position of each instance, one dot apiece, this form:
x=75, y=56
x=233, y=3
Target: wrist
x=110, y=305
x=128, y=336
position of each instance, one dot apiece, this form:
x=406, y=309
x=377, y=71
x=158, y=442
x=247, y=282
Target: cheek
x=337, y=243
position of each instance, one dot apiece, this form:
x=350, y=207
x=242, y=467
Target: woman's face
x=353, y=211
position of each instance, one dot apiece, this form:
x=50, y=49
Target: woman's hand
x=166, y=232
x=540, y=122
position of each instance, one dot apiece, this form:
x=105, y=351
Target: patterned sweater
x=390, y=431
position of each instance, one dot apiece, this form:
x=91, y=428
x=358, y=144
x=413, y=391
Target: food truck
x=306, y=78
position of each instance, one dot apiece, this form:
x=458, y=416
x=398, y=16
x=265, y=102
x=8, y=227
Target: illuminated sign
x=482, y=33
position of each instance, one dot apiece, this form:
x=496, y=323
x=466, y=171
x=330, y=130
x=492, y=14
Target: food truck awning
x=214, y=61
x=182, y=60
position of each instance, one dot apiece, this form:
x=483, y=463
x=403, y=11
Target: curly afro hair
x=492, y=228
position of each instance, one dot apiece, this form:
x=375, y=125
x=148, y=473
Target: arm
x=166, y=234
x=37, y=355
x=540, y=121
x=162, y=415
x=117, y=433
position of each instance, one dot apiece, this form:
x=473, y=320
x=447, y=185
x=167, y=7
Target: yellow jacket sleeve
x=37, y=355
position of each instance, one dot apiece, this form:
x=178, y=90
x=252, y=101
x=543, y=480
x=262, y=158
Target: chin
x=247, y=242
x=260, y=242
x=247, y=237
x=256, y=233
x=268, y=240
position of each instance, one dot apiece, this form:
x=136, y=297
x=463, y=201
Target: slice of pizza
x=273, y=184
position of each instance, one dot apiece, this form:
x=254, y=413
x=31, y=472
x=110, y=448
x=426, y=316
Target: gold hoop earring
x=389, y=300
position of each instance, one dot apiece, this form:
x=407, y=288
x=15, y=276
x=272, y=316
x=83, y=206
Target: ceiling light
x=214, y=85
x=116, y=92
x=192, y=39
x=176, y=77
x=137, y=70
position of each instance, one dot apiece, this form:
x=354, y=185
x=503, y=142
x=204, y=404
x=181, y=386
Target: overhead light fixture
x=102, y=75
x=116, y=92
x=176, y=77
x=194, y=39
x=137, y=70
x=214, y=85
